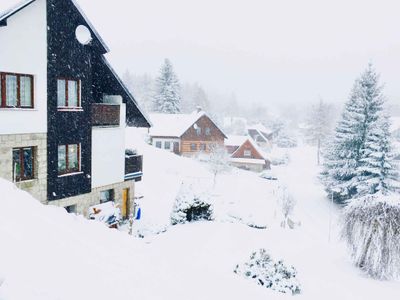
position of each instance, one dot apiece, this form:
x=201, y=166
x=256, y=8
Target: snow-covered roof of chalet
x=260, y=128
x=174, y=125
x=6, y=12
x=236, y=140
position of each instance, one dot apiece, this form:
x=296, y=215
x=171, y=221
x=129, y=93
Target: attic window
x=247, y=153
x=83, y=35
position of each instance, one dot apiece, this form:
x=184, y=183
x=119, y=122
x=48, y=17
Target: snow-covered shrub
x=371, y=229
x=279, y=158
x=191, y=205
x=287, y=204
x=274, y=275
x=286, y=141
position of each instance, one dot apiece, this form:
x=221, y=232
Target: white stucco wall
x=164, y=140
x=23, y=49
x=108, y=153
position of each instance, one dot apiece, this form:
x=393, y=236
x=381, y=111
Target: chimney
x=199, y=109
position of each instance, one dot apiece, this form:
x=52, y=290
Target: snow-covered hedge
x=191, y=205
x=274, y=275
x=371, y=228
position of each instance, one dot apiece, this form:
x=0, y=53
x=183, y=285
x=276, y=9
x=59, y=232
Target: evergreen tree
x=359, y=160
x=167, y=98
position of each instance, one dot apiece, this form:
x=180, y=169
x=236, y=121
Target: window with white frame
x=167, y=145
x=247, y=153
x=68, y=93
x=159, y=144
x=16, y=90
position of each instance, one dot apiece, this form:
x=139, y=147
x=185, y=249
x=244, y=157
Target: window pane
x=62, y=161
x=61, y=93
x=28, y=163
x=11, y=90
x=16, y=164
x=72, y=93
x=26, y=91
x=73, y=163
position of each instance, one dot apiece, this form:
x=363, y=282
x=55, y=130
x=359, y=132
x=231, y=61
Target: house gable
x=204, y=122
x=247, y=146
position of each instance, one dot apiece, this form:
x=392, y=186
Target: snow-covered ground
x=47, y=254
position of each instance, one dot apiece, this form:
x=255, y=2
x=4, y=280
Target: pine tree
x=359, y=160
x=167, y=98
x=319, y=125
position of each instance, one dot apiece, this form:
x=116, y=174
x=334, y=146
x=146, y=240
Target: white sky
x=262, y=50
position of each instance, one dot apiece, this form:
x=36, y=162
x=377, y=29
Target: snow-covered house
x=63, y=109
x=246, y=154
x=261, y=135
x=185, y=134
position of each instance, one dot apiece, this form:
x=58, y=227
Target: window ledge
x=70, y=174
x=69, y=108
x=25, y=181
x=17, y=109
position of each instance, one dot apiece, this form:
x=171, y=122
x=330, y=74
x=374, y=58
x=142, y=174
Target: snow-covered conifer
x=167, y=97
x=359, y=157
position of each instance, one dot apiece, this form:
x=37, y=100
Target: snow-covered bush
x=274, y=275
x=191, y=205
x=371, y=229
x=285, y=140
x=287, y=204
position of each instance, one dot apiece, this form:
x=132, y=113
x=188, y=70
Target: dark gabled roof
x=12, y=11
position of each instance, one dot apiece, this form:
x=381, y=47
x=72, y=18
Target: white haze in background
x=262, y=50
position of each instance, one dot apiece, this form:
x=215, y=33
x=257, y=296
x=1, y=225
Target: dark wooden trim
x=22, y=164
x=3, y=102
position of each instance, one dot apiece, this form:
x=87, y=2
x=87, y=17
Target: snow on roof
x=239, y=140
x=174, y=125
x=10, y=7
x=260, y=128
x=248, y=161
x=236, y=140
x=6, y=12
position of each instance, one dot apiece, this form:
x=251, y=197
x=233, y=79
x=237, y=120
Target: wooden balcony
x=105, y=114
x=133, y=167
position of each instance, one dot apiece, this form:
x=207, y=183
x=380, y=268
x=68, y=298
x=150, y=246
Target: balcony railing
x=133, y=167
x=105, y=114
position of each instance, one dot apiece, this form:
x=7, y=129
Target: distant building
x=185, y=134
x=261, y=135
x=245, y=154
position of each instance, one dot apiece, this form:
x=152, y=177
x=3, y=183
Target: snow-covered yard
x=47, y=254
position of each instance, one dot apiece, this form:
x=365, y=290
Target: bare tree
x=218, y=161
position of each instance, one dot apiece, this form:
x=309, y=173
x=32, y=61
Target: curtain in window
x=73, y=163
x=73, y=93
x=62, y=158
x=16, y=165
x=11, y=90
x=26, y=91
x=28, y=162
x=61, y=93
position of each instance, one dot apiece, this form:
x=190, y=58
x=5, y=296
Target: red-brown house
x=245, y=154
x=185, y=134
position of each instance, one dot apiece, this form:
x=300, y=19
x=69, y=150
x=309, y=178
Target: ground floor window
x=69, y=159
x=193, y=147
x=23, y=163
x=167, y=145
x=158, y=144
x=106, y=196
x=71, y=209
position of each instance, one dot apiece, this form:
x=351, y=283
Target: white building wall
x=164, y=141
x=23, y=49
x=108, y=153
